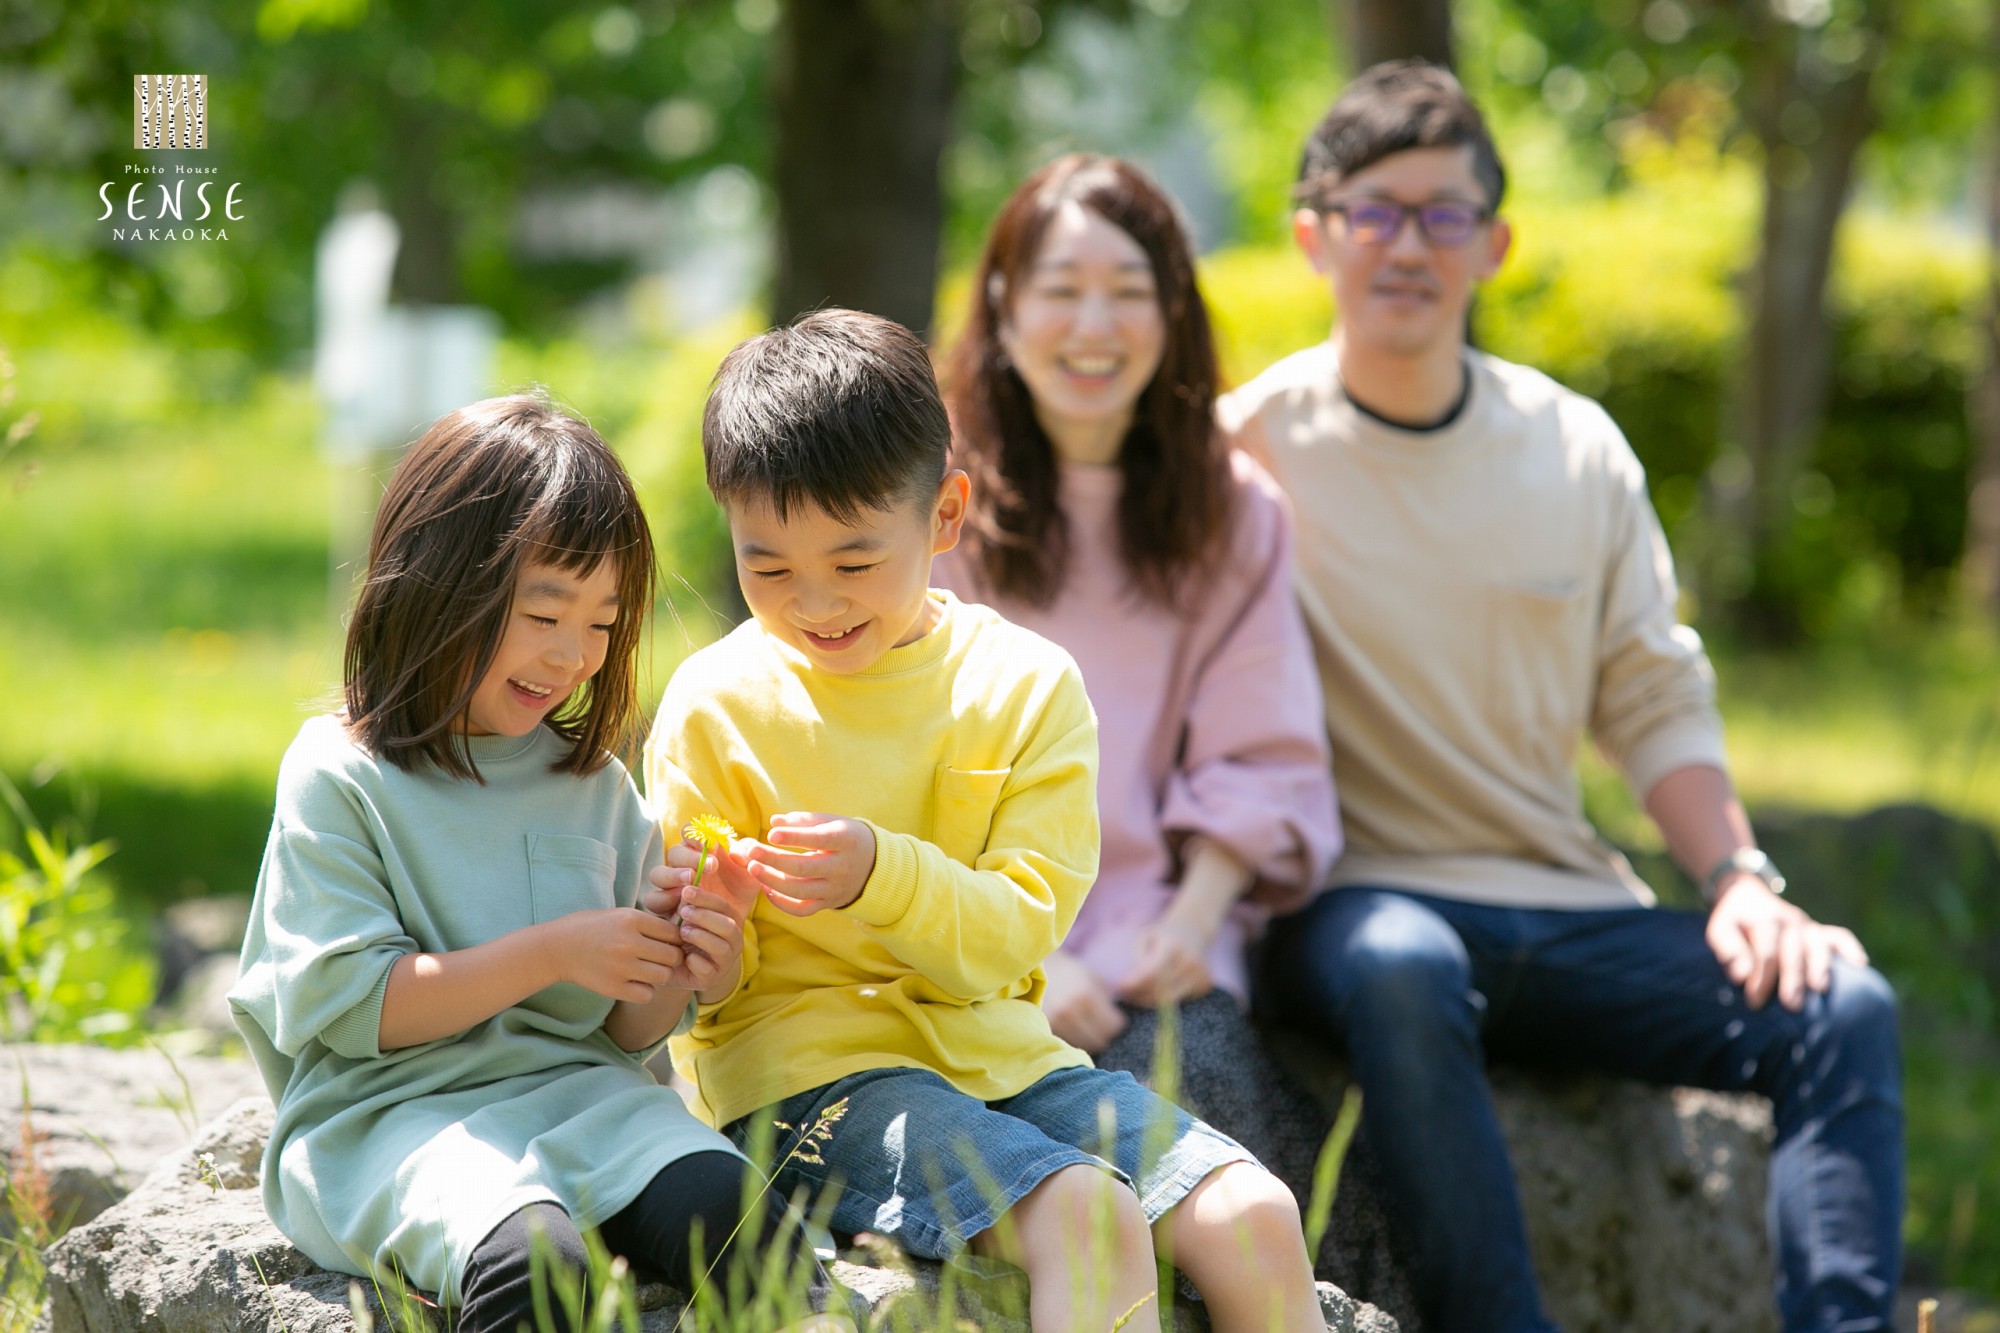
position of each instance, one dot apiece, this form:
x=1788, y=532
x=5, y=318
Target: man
x=1485, y=579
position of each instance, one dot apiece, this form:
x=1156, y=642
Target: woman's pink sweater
x=1210, y=722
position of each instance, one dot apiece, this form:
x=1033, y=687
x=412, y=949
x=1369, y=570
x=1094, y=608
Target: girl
x=446, y=983
x=1109, y=515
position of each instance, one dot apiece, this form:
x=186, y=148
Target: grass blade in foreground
x=1326, y=1171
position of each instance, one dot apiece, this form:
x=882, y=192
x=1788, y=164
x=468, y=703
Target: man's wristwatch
x=1746, y=861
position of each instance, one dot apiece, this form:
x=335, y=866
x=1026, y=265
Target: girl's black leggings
x=652, y=1232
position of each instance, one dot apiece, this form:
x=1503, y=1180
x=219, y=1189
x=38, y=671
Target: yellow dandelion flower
x=712, y=832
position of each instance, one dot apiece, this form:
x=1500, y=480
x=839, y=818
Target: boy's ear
x=948, y=517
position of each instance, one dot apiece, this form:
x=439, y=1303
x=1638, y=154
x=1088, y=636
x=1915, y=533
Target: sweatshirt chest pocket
x=966, y=799
x=568, y=873
x=1540, y=658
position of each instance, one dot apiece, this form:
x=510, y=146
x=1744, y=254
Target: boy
x=892, y=951
x=1484, y=579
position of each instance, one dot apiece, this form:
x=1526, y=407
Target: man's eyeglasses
x=1380, y=221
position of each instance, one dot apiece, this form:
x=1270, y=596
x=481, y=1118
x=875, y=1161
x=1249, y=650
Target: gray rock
x=1645, y=1206
x=177, y=1254
x=192, y=1248
x=99, y=1119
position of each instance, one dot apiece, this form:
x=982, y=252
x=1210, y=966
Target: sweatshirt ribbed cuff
x=892, y=885
x=1686, y=743
x=357, y=1034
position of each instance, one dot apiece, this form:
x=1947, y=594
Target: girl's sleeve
x=1253, y=773
x=324, y=929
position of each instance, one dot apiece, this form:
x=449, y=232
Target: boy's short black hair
x=1391, y=108
x=838, y=409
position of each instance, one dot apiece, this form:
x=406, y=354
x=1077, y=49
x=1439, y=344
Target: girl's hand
x=621, y=953
x=813, y=862
x=1171, y=965
x=712, y=937
x=1079, y=1005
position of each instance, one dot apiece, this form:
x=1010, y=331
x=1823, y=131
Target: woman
x=1109, y=515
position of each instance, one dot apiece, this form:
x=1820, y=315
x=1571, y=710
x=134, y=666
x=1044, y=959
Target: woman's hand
x=1171, y=964
x=1079, y=1005
x=621, y=953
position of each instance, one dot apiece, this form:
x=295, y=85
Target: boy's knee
x=1078, y=1203
x=1243, y=1198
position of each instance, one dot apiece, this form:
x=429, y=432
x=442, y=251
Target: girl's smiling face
x=558, y=630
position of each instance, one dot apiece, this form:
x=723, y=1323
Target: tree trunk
x=1379, y=30
x=1981, y=570
x=427, y=258
x=1811, y=118
x=863, y=93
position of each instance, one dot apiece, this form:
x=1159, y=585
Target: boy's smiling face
x=843, y=594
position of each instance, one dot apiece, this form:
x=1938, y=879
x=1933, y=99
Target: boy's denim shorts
x=918, y=1162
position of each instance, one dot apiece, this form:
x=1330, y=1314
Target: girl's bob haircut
x=490, y=490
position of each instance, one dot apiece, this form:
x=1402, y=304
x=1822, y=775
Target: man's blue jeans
x=1415, y=986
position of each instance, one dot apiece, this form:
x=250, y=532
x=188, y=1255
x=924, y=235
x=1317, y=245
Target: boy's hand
x=813, y=862
x=726, y=874
x=1079, y=1005
x=619, y=952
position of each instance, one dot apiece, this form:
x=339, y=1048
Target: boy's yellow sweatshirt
x=973, y=754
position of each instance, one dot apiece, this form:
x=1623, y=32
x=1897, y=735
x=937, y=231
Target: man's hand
x=1079, y=1005
x=1171, y=965
x=1763, y=942
x=621, y=953
x=813, y=862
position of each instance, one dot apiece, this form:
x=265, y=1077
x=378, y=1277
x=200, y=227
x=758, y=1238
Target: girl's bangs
x=577, y=526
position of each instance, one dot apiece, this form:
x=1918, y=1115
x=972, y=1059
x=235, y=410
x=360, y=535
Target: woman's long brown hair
x=487, y=491
x=1174, y=505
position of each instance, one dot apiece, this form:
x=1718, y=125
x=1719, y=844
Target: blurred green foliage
x=454, y=115
x=67, y=970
